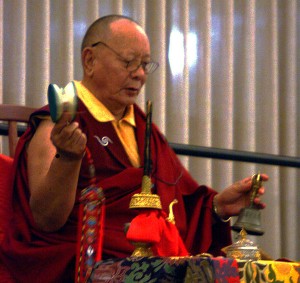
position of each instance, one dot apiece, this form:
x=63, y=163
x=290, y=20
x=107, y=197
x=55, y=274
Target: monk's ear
x=88, y=60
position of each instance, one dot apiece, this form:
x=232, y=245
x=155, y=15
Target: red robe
x=36, y=256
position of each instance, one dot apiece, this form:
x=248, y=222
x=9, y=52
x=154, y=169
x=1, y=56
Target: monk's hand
x=231, y=200
x=69, y=140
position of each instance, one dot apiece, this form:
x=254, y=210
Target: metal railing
x=235, y=155
x=211, y=152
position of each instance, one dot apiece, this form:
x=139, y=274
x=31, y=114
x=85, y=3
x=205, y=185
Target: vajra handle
x=256, y=184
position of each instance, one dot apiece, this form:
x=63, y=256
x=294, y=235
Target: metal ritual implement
x=249, y=217
x=146, y=199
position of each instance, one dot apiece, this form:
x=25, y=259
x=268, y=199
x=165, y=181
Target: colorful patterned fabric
x=166, y=269
x=194, y=269
x=269, y=271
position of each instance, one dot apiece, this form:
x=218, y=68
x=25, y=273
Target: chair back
x=14, y=114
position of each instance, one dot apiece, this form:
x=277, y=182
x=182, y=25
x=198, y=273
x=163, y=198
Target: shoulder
x=39, y=115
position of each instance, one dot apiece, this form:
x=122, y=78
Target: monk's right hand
x=68, y=139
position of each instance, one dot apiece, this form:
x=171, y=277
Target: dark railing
x=235, y=155
x=4, y=129
x=211, y=152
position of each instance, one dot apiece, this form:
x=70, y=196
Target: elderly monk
x=51, y=168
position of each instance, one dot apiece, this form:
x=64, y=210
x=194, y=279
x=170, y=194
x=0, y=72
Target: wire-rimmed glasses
x=132, y=65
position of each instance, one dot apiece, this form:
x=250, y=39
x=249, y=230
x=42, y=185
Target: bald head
x=101, y=29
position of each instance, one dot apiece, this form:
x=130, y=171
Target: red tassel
x=100, y=235
x=151, y=226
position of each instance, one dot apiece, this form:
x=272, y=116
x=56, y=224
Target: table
x=193, y=269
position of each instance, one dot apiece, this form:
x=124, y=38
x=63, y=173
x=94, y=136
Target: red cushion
x=5, y=206
x=5, y=191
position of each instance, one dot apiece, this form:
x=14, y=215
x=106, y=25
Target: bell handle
x=256, y=184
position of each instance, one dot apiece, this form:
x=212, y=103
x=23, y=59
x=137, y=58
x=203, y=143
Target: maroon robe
x=36, y=256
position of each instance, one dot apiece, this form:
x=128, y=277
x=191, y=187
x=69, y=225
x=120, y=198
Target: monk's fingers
x=247, y=182
x=264, y=177
x=261, y=191
x=69, y=137
x=258, y=203
x=63, y=122
x=77, y=141
x=74, y=147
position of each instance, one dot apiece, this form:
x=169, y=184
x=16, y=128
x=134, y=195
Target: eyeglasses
x=132, y=65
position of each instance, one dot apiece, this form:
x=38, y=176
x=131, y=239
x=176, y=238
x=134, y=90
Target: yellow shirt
x=124, y=127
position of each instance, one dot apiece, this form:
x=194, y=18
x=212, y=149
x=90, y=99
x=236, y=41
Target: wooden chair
x=14, y=114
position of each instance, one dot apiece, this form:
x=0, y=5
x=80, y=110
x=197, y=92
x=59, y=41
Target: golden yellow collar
x=98, y=110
